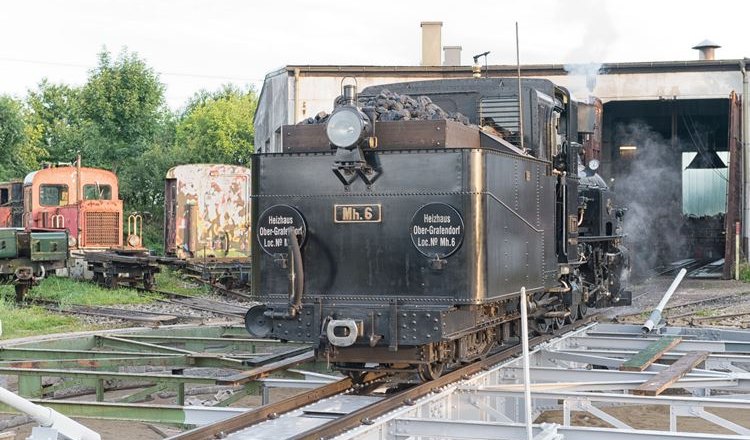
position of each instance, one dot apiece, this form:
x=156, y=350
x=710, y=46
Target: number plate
x=357, y=213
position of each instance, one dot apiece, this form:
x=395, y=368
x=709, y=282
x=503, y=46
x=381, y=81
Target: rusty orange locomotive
x=84, y=201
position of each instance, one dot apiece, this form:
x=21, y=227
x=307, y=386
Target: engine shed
x=669, y=136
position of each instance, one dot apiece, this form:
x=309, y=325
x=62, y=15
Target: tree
x=15, y=161
x=122, y=104
x=54, y=125
x=218, y=127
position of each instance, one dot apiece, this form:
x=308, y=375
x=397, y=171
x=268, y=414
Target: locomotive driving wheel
x=431, y=371
x=574, y=314
x=582, y=310
x=545, y=325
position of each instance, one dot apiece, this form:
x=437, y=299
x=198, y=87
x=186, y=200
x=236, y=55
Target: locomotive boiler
x=396, y=233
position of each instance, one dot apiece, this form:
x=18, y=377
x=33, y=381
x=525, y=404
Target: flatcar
x=397, y=235
x=207, y=220
x=27, y=257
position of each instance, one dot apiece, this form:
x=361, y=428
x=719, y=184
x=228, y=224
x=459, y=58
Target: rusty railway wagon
x=27, y=257
x=403, y=245
x=11, y=204
x=207, y=220
x=84, y=203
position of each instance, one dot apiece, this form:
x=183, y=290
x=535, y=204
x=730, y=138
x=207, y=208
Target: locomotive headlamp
x=347, y=127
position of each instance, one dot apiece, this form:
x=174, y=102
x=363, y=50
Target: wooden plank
x=667, y=377
x=641, y=360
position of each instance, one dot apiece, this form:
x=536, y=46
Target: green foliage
x=54, y=125
x=121, y=102
x=118, y=121
x=31, y=321
x=218, y=127
x=171, y=281
x=69, y=291
x=745, y=272
x=14, y=160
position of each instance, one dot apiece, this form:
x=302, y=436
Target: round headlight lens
x=344, y=128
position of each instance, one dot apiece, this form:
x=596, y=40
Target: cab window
x=53, y=195
x=97, y=192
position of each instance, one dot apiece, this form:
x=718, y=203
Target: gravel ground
x=190, y=315
x=727, y=297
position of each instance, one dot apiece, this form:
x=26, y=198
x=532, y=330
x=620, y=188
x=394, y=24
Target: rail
x=364, y=415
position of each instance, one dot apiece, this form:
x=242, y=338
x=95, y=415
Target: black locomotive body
x=405, y=244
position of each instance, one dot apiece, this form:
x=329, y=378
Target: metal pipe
x=655, y=317
x=520, y=99
x=297, y=273
x=49, y=418
x=526, y=369
x=737, y=251
x=745, y=149
x=296, y=95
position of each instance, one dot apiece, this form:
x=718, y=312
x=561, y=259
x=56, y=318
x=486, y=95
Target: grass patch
x=68, y=291
x=705, y=312
x=171, y=281
x=30, y=321
x=745, y=272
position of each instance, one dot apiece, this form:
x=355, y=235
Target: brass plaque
x=357, y=213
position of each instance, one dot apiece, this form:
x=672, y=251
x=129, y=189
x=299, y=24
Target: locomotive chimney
x=706, y=50
x=452, y=55
x=431, y=42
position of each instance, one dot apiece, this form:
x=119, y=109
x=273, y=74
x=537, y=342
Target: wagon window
x=97, y=192
x=4, y=196
x=53, y=195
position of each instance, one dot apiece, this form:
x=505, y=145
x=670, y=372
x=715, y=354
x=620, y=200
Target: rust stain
x=219, y=196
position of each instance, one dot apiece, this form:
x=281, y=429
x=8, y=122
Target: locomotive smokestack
x=706, y=50
x=431, y=42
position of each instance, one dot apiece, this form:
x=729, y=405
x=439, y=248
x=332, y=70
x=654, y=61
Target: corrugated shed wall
x=704, y=191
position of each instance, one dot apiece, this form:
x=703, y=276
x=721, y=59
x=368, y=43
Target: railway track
x=150, y=317
x=233, y=426
x=204, y=304
x=113, y=312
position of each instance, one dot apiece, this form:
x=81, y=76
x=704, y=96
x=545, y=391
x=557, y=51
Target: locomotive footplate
x=392, y=334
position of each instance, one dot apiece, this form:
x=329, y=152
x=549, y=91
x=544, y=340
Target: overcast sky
x=196, y=44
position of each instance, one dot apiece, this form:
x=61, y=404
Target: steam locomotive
x=401, y=243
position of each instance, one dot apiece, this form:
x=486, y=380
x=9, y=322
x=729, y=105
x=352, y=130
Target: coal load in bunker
x=396, y=233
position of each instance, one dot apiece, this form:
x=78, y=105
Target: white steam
x=584, y=60
x=649, y=185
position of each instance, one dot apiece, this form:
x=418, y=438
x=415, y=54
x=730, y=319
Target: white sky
x=196, y=44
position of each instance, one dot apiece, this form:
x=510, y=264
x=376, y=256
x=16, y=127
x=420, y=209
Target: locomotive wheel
x=558, y=323
x=582, y=309
x=431, y=371
x=148, y=281
x=545, y=325
x=574, y=315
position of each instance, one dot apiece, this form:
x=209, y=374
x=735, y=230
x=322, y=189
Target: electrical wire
x=179, y=74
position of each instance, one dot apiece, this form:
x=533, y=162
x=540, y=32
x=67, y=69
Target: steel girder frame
x=490, y=405
x=430, y=428
x=95, y=359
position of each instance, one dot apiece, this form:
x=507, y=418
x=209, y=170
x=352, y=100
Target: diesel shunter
x=396, y=233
